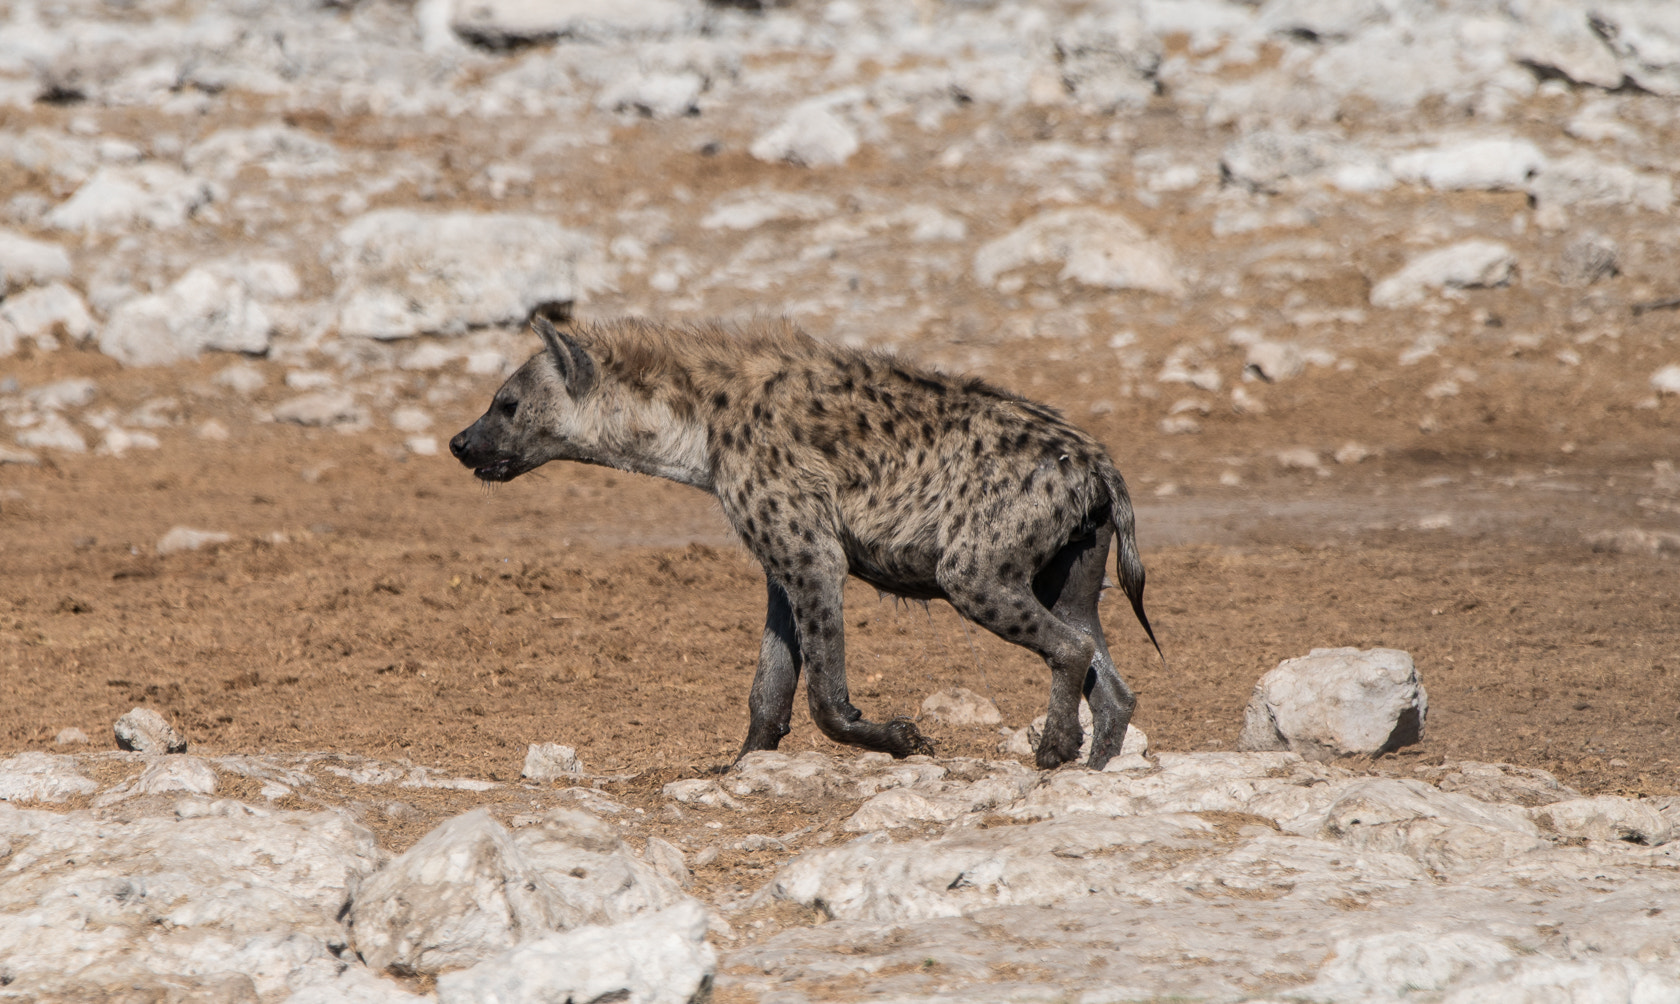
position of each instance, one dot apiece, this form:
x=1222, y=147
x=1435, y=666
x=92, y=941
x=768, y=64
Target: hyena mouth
x=499, y=470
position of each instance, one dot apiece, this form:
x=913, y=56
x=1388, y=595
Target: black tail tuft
x=1128, y=562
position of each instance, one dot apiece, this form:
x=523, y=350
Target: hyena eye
x=507, y=407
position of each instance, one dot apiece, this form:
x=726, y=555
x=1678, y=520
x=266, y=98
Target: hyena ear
x=574, y=364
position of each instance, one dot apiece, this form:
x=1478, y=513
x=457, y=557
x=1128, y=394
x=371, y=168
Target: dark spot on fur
x=720, y=400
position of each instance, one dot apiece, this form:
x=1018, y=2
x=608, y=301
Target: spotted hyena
x=831, y=462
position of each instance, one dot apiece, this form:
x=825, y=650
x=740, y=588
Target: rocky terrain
x=1373, y=300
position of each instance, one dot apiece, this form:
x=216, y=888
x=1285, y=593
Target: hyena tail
x=1127, y=561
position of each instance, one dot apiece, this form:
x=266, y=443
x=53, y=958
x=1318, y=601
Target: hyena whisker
x=830, y=462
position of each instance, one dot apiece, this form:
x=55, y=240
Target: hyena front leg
x=1070, y=586
x=779, y=660
x=815, y=587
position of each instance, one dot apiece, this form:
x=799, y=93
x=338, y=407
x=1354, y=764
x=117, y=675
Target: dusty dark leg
x=816, y=598
x=1011, y=611
x=1070, y=585
x=771, y=702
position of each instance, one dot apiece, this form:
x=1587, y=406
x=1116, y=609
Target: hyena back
x=829, y=462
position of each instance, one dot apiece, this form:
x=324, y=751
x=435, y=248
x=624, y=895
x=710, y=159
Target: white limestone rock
x=26, y=262
x=403, y=273
x=91, y=908
x=502, y=24
x=1337, y=702
x=1502, y=782
x=116, y=199
x=241, y=378
x=46, y=312
x=1098, y=248
x=42, y=777
x=322, y=409
x=597, y=878
x=145, y=731
x=1606, y=817
x=1666, y=380
x=960, y=706
x=53, y=432
x=462, y=894
x=1266, y=160
x=1445, y=832
x=1472, y=264
x=279, y=150
x=1586, y=259
x=551, y=762
x=200, y=311
x=658, y=958
x=1109, y=61
x=185, y=538
x=810, y=135
x=700, y=791
x=1273, y=361
x=470, y=890
x=654, y=95
x=752, y=208
x=1323, y=21
x=1582, y=179
x=76, y=392
x=409, y=419
x=1645, y=36
x=1559, y=36
x=1490, y=163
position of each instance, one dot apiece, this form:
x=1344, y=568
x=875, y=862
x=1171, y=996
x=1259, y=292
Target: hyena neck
x=655, y=440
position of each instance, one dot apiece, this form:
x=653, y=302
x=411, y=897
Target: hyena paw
x=904, y=739
x=1056, y=749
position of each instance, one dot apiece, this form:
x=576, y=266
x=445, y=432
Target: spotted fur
x=829, y=462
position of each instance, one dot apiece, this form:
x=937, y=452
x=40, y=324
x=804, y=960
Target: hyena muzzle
x=829, y=462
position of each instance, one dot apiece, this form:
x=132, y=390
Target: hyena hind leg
x=1012, y=611
x=1071, y=586
x=779, y=662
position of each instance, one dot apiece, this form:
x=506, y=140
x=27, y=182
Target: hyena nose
x=458, y=445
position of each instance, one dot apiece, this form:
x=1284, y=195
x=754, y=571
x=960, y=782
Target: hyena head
x=539, y=414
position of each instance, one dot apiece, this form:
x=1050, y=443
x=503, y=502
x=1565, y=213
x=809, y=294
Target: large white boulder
x=470, y=890
x=42, y=777
x=46, y=311
x=462, y=894
x=1337, y=702
x=118, y=198
x=26, y=262
x=404, y=273
x=1582, y=179
x=1095, y=247
x=201, y=311
x=1472, y=264
x=143, y=730
x=1495, y=163
x=810, y=135
x=214, y=895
